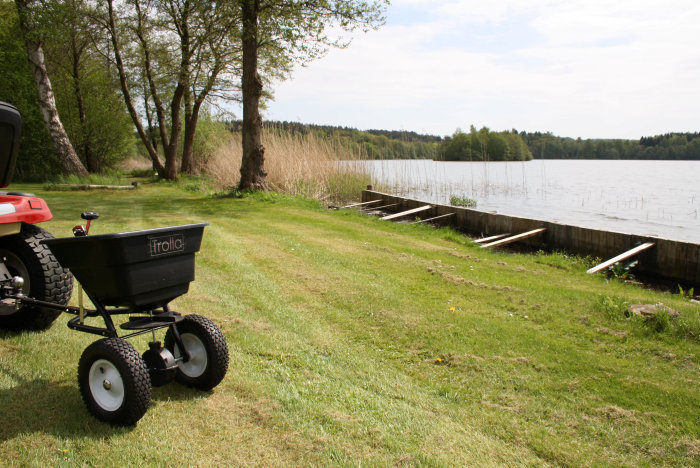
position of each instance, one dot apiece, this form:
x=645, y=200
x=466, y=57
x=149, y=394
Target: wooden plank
x=509, y=240
x=406, y=213
x=380, y=207
x=622, y=256
x=362, y=204
x=97, y=187
x=432, y=219
x=491, y=238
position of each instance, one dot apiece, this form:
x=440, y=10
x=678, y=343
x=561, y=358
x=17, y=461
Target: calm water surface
x=660, y=198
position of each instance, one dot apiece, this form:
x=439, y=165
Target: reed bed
x=300, y=165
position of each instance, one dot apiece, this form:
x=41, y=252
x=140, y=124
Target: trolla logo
x=166, y=244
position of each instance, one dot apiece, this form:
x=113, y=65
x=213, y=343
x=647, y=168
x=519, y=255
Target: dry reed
x=301, y=165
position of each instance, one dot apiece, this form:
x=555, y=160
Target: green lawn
x=359, y=342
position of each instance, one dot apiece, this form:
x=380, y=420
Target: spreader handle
x=89, y=215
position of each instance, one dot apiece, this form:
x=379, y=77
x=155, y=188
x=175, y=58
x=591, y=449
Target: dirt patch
x=607, y=331
x=464, y=256
x=512, y=409
x=691, y=446
x=616, y=413
x=459, y=280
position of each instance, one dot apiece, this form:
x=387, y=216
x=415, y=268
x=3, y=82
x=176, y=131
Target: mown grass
x=360, y=342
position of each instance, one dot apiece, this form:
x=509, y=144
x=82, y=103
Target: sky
x=576, y=68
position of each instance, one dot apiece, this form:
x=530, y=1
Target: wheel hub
x=106, y=385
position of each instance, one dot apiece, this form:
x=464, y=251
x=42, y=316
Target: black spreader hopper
x=142, y=270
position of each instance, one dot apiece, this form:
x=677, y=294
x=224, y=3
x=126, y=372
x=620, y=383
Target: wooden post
x=361, y=204
x=406, y=213
x=509, y=240
x=380, y=207
x=622, y=256
x=491, y=238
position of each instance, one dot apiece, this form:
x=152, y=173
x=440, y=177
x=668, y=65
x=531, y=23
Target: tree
x=33, y=39
x=17, y=86
x=92, y=111
x=282, y=33
x=175, y=51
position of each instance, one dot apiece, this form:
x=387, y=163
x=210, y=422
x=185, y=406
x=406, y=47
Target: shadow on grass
x=57, y=408
x=50, y=407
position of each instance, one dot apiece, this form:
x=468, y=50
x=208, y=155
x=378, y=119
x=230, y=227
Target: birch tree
x=70, y=162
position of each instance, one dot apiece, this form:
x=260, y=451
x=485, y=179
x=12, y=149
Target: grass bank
x=360, y=342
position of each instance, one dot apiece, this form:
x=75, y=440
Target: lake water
x=660, y=198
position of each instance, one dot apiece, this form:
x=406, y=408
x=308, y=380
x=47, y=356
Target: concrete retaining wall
x=671, y=259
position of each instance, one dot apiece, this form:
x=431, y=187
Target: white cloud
x=590, y=68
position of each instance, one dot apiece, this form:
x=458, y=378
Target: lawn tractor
x=135, y=274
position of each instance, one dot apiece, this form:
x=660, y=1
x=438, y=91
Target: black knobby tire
x=44, y=278
x=114, y=381
x=208, y=352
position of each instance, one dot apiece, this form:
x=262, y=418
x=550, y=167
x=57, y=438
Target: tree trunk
x=69, y=159
x=191, y=118
x=91, y=161
x=152, y=152
x=253, y=173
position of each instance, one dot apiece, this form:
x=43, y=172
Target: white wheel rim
x=106, y=385
x=197, y=363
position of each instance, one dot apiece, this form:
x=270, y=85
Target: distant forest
x=374, y=144
x=668, y=146
x=484, y=144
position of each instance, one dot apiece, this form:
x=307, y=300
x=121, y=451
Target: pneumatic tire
x=114, y=382
x=44, y=278
x=208, y=352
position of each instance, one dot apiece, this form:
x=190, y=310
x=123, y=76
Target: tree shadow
x=49, y=407
x=57, y=408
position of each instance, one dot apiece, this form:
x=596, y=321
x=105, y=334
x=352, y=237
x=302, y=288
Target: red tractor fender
x=23, y=208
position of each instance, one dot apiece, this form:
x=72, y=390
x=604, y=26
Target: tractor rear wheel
x=44, y=279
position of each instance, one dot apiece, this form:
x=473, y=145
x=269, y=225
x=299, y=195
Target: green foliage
x=37, y=157
x=683, y=293
x=615, y=308
x=659, y=322
x=483, y=145
x=105, y=134
x=462, y=201
x=212, y=133
x=622, y=270
x=565, y=260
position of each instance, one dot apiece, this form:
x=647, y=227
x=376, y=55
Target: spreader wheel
x=114, y=381
x=207, y=349
x=44, y=279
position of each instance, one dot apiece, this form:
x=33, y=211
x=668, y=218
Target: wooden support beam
x=509, y=240
x=406, y=213
x=361, y=204
x=622, y=256
x=491, y=238
x=432, y=219
x=380, y=207
x=97, y=187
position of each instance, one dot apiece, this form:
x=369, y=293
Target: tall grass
x=302, y=165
